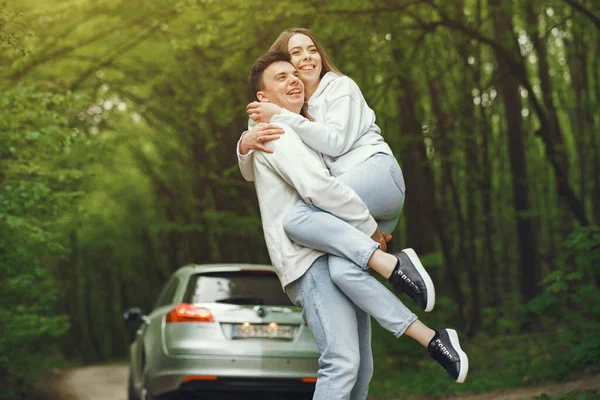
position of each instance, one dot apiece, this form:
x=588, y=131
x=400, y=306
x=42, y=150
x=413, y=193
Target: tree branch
x=57, y=53
x=112, y=57
x=556, y=25
x=377, y=11
x=588, y=13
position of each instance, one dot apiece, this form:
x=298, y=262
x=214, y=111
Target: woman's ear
x=262, y=97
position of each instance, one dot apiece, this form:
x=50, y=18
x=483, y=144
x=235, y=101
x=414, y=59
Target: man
x=337, y=313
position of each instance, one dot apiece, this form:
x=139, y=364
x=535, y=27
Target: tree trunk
x=471, y=185
x=452, y=198
x=546, y=88
x=420, y=194
x=80, y=295
x=595, y=128
x=423, y=215
x=492, y=286
x=509, y=90
x=564, y=219
x=514, y=63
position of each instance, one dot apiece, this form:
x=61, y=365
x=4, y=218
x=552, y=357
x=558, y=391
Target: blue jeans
x=324, y=296
x=342, y=332
x=379, y=183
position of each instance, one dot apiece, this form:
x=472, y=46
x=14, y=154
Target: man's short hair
x=255, y=79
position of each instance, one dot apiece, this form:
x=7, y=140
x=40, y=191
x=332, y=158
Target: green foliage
x=118, y=123
x=571, y=298
x=403, y=367
x=39, y=185
x=11, y=30
x=505, y=320
x=568, y=310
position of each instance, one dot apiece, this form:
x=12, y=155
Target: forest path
x=109, y=382
x=95, y=382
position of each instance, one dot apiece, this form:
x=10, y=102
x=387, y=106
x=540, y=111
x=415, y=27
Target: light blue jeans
x=379, y=183
x=342, y=332
x=339, y=300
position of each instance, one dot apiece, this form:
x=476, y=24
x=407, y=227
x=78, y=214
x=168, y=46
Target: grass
x=403, y=367
x=585, y=395
x=14, y=387
x=30, y=380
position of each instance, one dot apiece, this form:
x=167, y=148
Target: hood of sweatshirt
x=326, y=80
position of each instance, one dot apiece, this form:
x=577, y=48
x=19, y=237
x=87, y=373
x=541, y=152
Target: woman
x=338, y=123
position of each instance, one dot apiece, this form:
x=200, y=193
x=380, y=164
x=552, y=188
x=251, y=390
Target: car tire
x=146, y=394
x=131, y=395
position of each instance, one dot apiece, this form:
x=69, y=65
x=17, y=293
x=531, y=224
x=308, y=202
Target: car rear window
x=236, y=287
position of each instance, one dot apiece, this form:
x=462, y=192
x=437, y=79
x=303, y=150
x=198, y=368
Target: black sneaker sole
x=425, y=276
x=464, y=360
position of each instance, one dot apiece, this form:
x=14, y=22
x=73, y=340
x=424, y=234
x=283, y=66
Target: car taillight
x=199, y=378
x=189, y=313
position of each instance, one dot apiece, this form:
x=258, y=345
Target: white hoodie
x=344, y=130
x=293, y=172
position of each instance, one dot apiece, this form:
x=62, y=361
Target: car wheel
x=146, y=394
x=131, y=395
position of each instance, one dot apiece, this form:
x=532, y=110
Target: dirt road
x=99, y=382
x=591, y=382
x=109, y=382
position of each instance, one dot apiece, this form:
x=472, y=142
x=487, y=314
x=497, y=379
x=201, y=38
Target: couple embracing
x=328, y=188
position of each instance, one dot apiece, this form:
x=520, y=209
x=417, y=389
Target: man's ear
x=262, y=97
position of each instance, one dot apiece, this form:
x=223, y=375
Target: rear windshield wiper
x=241, y=300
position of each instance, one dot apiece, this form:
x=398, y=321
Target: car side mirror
x=133, y=315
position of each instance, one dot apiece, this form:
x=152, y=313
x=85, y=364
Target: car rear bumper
x=232, y=373
x=249, y=385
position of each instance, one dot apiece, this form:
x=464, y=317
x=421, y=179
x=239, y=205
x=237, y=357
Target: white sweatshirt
x=291, y=172
x=344, y=129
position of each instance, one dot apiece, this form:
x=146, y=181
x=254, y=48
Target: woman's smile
x=306, y=58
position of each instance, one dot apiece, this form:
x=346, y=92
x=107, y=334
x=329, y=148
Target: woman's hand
x=382, y=239
x=256, y=138
x=262, y=111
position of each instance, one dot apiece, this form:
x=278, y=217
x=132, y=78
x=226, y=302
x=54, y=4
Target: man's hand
x=256, y=138
x=382, y=239
x=262, y=111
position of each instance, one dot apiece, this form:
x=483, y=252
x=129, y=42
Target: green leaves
x=584, y=238
x=39, y=185
x=111, y=186
x=572, y=296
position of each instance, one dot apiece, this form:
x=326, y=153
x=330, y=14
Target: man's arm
x=300, y=168
x=249, y=142
x=245, y=160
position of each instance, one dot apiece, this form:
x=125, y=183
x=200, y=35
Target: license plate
x=270, y=331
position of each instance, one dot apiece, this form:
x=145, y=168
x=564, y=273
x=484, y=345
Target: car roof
x=192, y=269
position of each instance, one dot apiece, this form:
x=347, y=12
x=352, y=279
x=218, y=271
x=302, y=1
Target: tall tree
x=509, y=90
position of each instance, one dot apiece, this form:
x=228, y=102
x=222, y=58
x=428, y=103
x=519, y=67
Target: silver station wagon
x=222, y=329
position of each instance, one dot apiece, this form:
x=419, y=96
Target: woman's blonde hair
x=281, y=44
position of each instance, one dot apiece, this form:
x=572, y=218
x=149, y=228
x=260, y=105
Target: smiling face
x=306, y=58
x=282, y=86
